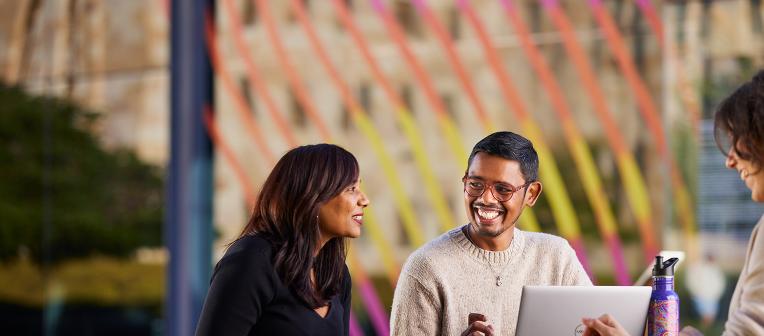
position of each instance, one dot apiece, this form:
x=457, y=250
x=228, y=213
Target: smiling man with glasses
x=468, y=281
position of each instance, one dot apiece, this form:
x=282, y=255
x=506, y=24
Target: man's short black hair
x=510, y=146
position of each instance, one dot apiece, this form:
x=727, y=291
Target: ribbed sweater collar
x=494, y=257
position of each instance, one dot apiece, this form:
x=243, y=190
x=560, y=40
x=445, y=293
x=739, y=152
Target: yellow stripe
x=489, y=127
x=636, y=192
x=389, y=261
x=593, y=186
x=432, y=188
x=410, y=224
x=454, y=141
x=528, y=221
x=684, y=210
x=562, y=209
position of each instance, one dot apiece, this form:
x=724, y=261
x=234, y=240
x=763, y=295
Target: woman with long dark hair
x=286, y=273
x=739, y=133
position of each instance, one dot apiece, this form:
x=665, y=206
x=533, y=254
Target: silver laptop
x=557, y=310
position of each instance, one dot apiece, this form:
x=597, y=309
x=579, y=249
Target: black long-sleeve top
x=247, y=297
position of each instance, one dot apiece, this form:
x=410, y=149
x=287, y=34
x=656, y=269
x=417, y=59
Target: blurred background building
x=275, y=90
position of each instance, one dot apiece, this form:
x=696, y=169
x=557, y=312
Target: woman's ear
x=532, y=193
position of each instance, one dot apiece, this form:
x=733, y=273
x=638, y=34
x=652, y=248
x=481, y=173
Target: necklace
x=498, y=275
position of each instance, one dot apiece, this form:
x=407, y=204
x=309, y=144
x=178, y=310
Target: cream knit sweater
x=449, y=277
x=746, y=314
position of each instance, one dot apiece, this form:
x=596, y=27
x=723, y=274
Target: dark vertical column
x=188, y=218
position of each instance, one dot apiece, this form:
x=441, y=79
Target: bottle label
x=665, y=318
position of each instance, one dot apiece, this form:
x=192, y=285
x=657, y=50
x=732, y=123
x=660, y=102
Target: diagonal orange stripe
x=562, y=208
x=376, y=70
x=650, y=115
x=580, y=152
x=254, y=78
x=687, y=95
x=634, y=182
x=241, y=106
x=360, y=118
x=225, y=149
x=443, y=36
x=446, y=123
x=432, y=187
x=294, y=79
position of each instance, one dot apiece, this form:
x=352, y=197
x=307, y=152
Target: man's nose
x=487, y=196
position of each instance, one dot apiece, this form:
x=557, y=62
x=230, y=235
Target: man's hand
x=478, y=326
x=604, y=325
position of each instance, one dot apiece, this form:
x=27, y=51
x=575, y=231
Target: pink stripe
x=578, y=246
x=380, y=7
x=644, y=4
x=355, y=329
x=166, y=7
x=508, y=5
x=419, y=4
x=374, y=307
x=549, y=4
x=616, y=250
x=654, y=21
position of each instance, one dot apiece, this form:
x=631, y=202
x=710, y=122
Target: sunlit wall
x=615, y=95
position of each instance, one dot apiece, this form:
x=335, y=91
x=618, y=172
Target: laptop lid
x=557, y=310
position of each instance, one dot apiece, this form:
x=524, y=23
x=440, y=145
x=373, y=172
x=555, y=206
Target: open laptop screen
x=557, y=310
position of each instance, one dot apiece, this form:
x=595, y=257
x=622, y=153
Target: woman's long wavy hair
x=739, y=122
x=286, y=214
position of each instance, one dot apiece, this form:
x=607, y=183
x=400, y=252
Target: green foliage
x=98, y=281
x=61, y=190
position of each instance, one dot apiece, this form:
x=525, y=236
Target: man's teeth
x=488, y=214
x=358, y=217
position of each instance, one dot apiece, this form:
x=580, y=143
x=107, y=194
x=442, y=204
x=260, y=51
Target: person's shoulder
x=756, y=241
x=757, y=227
x=247, y=266
x=248, y=250
x=429, y=256
x=250, y=243
x=439, y=247
x=545, y=242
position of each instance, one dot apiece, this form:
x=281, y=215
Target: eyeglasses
x=502, y=192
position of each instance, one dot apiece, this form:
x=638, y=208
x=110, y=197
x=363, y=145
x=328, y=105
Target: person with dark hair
x=469, y=280
x=286, y=273
x=739, y=133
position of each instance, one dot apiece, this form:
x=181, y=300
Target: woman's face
x=342, y=216
x=752, y=175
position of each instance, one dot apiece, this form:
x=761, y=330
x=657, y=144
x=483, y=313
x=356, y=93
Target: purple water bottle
x=663, y=313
